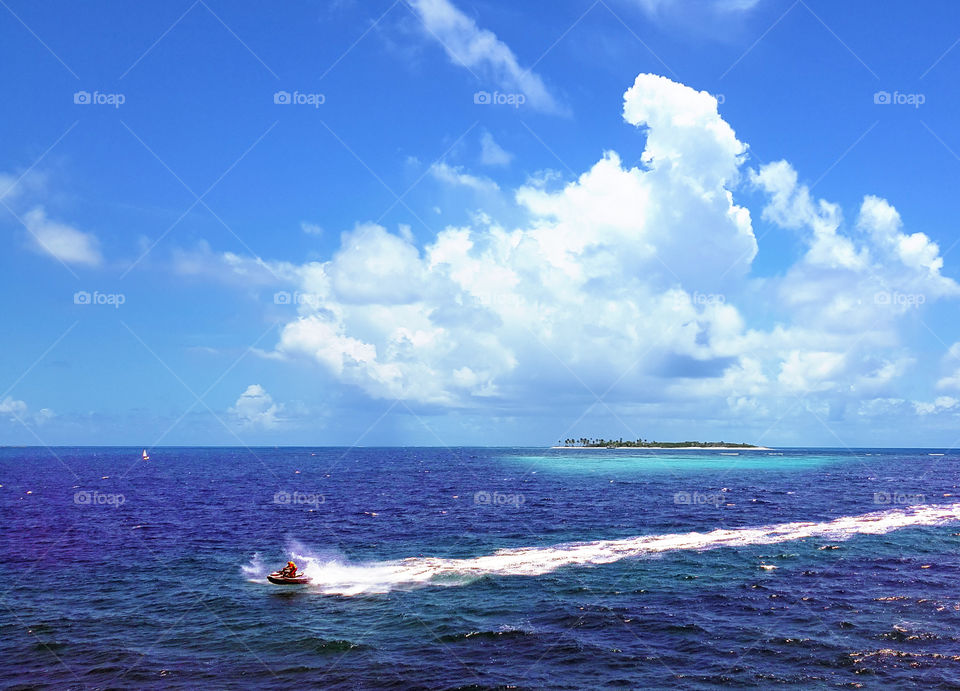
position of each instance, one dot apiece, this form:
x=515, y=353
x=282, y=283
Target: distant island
x=599, y=443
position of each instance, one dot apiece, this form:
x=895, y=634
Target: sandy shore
x=670, y=448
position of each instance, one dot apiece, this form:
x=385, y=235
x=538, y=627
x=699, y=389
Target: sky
x=466, y=222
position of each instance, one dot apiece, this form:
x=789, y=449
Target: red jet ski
x=278, y=578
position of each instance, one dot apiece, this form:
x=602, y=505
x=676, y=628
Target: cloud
x=62, y=241
x=481, y=313
x=634, y=282
x=200, y=261
x=952, y=360
x=59, y=240
x=862, y=282
x=491, y=153
x=480, y=50
x=311, y=228
x=658, y=7
x=12, y=407
x=17, y=410
x=940, y=405
x=255, y=409
x=17, y=186
x=454, y=175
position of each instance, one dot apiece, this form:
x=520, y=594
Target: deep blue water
x=119, y=573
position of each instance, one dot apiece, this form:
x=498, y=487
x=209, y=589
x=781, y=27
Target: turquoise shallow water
x=479, y=568
x=631, y=461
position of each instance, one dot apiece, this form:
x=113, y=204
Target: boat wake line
x=332, y=575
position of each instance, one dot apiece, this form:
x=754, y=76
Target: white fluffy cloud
x=595, y=282
x=632, y=280
x=256, y=409
x=861, y=283
x=479, y=49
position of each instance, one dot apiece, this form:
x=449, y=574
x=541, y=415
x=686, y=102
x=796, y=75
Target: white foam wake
x=333, y=575
x=256, y=570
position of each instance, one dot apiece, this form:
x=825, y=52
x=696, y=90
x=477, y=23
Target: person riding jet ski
x=289, y=571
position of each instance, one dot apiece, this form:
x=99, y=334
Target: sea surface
x=479, y=568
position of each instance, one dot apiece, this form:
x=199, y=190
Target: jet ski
x=279, y=579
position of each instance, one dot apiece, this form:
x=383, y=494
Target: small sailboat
x=145, y=456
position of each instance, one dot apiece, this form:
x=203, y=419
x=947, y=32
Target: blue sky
x=756, y=243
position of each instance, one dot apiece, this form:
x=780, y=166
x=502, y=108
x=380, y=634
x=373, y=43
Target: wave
x=333, y=575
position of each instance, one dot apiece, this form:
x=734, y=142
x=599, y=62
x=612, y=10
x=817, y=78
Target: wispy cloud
x=454, y=175
x=482, y=53
x=655, y=7
x=491, y=153
x=62, y=241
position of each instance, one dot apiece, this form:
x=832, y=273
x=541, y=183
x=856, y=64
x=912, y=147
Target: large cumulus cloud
x=597, y=283
x=632, y=280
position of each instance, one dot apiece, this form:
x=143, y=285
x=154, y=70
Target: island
x=601, y=443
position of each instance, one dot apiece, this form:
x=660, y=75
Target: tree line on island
x=600, y=442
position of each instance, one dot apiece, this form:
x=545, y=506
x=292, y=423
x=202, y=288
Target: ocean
x=479, y=568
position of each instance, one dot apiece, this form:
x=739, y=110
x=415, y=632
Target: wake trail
x=335, y=576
